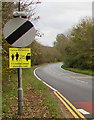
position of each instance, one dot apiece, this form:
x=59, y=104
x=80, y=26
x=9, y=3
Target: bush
x=81, y=61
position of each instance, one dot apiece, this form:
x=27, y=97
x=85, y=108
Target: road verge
x=38, y=101
x=86, y=72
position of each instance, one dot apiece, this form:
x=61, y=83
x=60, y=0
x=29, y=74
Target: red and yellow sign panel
x=19, y=57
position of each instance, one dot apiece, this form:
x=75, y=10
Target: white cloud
x=58, y=17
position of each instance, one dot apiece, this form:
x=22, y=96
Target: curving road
x=77, y=88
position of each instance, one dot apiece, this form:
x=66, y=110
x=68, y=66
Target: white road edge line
x=43, y=81
x=83, y=111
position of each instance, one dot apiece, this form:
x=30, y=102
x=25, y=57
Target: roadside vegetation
x=77, y=50
x=87, y=72
x=38, y=101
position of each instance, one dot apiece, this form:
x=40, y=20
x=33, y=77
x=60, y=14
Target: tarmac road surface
x=77, y=88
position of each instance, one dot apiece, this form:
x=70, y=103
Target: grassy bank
x=87, y=72
x=38, y=101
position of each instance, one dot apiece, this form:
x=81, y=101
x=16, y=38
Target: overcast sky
x=59, y=17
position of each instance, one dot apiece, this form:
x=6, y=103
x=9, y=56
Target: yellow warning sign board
x=19, y=57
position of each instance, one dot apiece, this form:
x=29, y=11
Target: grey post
x=20, y=92
x=20, y=89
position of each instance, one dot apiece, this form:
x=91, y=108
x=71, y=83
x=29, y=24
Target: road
x=77, y=88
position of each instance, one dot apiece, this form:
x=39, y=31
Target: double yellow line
x=69, y=106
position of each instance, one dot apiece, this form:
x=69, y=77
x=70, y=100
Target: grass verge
x=87, y=72
x=38, y=101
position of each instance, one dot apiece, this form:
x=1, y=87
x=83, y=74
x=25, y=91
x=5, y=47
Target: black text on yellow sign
x=19, y=57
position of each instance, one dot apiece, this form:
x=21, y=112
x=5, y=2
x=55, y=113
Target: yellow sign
x=19, y=57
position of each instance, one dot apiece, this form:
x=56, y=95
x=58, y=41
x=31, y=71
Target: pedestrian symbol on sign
x=12, y=57
x=17, y=56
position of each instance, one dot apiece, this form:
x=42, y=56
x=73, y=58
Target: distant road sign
x=19, y=57
x=19, y=32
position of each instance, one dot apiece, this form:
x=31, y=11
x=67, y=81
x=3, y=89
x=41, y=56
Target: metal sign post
x=20, y=92
x=20, y=89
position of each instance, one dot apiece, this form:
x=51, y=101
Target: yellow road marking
x=79, y=77
x=72, y=112
x=71, y=105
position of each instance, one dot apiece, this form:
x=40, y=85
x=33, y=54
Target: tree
x=7, y=10
x=43, y=54
x=77, y=50
x=30, y=8
x=81, y=36
x=61, y=43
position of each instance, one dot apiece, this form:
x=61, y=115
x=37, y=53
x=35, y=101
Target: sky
x=59, y=17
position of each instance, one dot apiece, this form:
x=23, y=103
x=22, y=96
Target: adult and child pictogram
x=15, y=56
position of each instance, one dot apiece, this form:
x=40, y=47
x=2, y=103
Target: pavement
x=77, y=88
